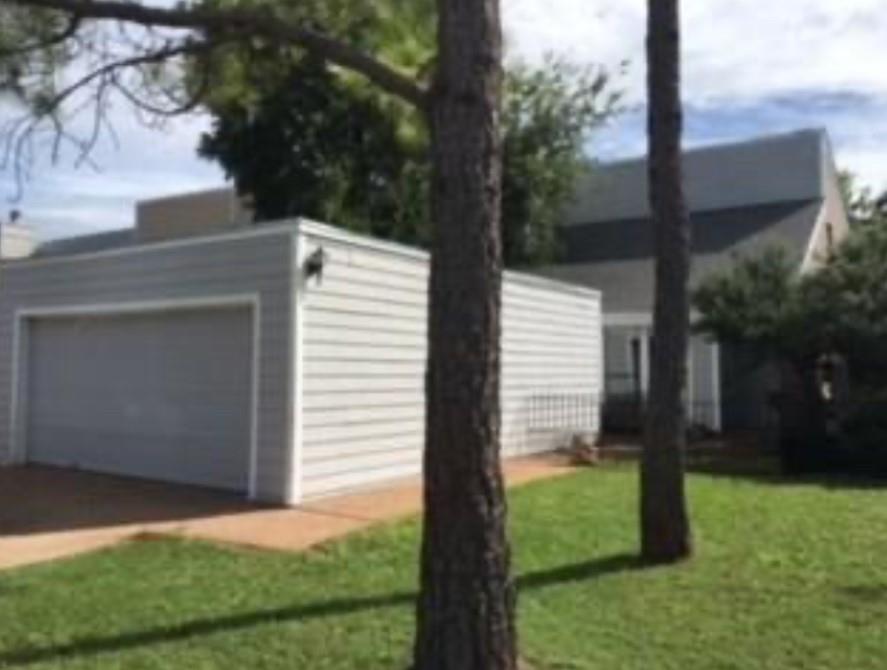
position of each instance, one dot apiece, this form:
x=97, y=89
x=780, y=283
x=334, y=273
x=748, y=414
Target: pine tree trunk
x=465, y=610
x=665, y=525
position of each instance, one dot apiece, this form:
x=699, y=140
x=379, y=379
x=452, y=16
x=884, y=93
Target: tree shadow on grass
x=767, y=470
x=866, y=593
x=96, y=645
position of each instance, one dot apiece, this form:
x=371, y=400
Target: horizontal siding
x=258, y=264
x=551, y=367
x=363, y=403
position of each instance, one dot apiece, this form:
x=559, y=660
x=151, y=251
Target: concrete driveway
x=50, y=513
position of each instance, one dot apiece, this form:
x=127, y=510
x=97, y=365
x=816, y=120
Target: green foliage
x=841, y=307
x=865, y=435
x=312, y=147
x=863, y=206
x=846, y=303
x=548, y=114
x=28, y=73
x=302, y=140
x=399, y=32
x=754, y=302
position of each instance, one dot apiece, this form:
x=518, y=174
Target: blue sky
x=750, y=68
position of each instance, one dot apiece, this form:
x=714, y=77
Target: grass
x=787, y=576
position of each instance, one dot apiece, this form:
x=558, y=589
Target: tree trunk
x=665, y=526
x=465, y=610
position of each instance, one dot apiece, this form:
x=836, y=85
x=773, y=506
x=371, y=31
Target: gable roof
x=617, y=256
x=775, y=168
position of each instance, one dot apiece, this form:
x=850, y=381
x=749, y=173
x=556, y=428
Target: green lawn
x=787, y=576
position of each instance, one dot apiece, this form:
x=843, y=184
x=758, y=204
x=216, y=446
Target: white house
x=283, y=361
x=780, y=190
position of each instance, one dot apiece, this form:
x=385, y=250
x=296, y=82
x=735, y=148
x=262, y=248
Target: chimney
x=16, y=239
x=191, y=215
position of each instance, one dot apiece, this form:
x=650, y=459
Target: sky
x=749, y=68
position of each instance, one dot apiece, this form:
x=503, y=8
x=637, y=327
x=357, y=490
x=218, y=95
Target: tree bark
x=665, y=525
x=466, y=605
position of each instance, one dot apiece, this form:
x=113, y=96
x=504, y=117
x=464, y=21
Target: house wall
x=626, y=387
x=175, y=272
x=833, y=224
x=364, y=352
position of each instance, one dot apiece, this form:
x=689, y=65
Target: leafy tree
x=862, y=204
x=765, y=302
x=313, y=146
x=360, y=166
x=838, y=313
x=755, y=302
x=665, y=524
x=549, y=114
x=844, y=305
x=465, y=610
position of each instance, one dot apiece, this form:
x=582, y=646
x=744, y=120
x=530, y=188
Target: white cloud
x=733, y=49
x=738, y=55
x=63, y=199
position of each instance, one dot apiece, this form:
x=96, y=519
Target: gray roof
x=763, y=170
x=616, y=256
x=84, y=244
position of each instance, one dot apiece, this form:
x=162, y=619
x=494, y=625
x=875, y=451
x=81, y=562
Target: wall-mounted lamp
x=314, y=264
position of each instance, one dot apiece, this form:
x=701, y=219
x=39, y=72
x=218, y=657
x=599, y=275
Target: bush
x=864, y=436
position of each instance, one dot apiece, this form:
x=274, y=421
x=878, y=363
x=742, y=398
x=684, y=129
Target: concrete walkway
x=47, y=513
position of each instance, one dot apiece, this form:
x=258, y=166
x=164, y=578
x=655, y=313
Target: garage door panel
x=162, y=395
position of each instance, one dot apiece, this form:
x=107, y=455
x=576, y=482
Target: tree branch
x=69, y=31
x=244, y=22
x=154, y=56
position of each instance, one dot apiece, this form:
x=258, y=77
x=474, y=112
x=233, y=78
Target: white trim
x=253, y=482
x=807, y=262
x=297, y=333
x=331, y=233
x=690, y=408
x=136, y=306
x=289, y=226
x=645, y=335
x=18, y=443
x=716, y=385
x=261, y=230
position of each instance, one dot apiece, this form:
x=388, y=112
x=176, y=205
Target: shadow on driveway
x=37, y=499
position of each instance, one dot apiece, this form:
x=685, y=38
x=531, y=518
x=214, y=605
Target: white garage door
x=164, y=395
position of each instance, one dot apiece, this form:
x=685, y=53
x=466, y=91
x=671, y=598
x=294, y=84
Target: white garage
x=284, y=361
x=142, y=394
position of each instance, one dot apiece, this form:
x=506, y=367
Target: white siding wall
x=551, y=364
x=258, y=263
x=364, y=349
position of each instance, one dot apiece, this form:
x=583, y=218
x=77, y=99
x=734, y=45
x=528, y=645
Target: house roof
x=83, y=244
x=764, y=170
x=617, y=256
